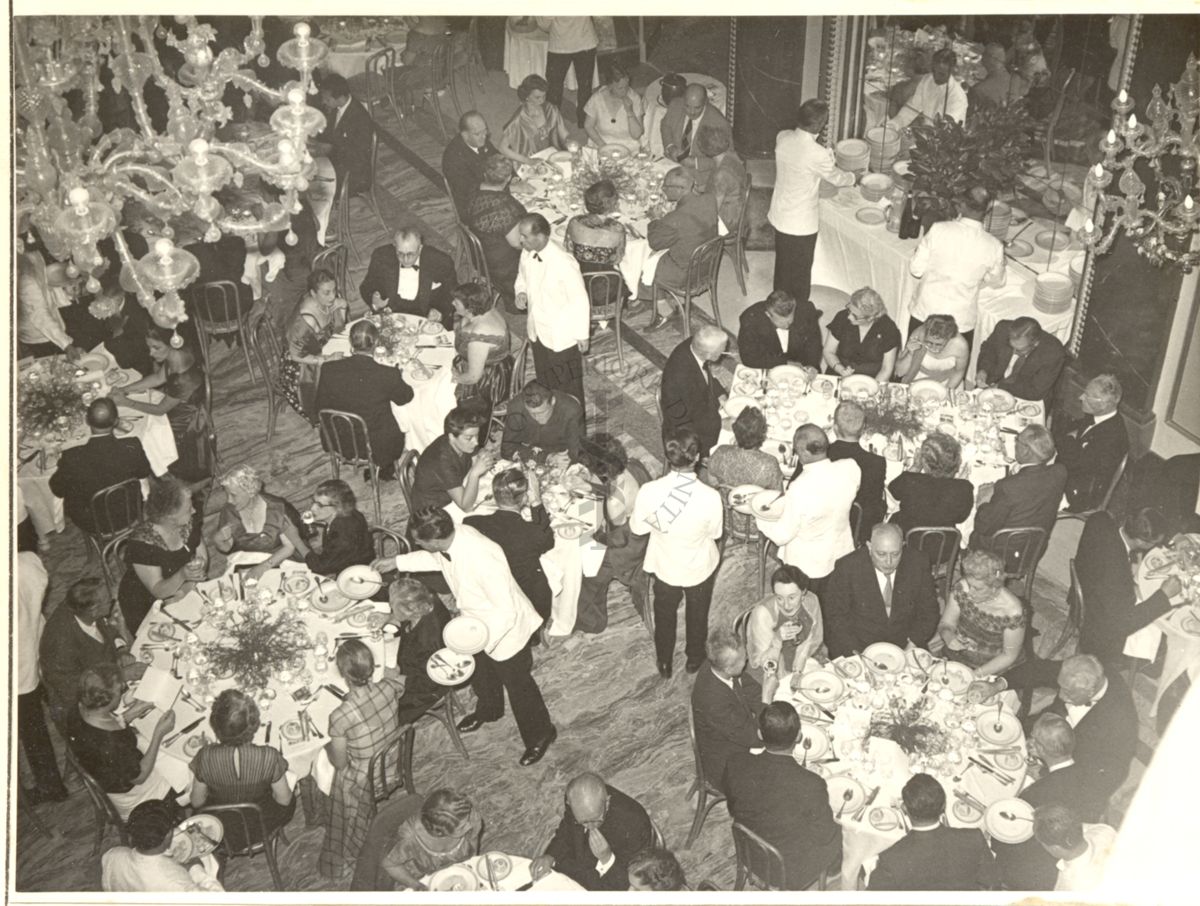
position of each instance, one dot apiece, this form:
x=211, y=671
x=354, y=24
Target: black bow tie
x=536, y=256
x=410, y=267
x=445, y=555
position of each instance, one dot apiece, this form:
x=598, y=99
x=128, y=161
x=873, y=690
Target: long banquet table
x=859, y=697
x=1180, y=626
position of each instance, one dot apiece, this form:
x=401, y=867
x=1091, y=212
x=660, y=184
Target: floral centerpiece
x=889, y=417
x=907, y=724
x=256, y=648
x=630, y=176
x=51, y=401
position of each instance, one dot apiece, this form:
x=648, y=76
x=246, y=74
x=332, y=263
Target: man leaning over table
x=550, y=285
x=545, y=420
x=483, y=586
x=1020, y=357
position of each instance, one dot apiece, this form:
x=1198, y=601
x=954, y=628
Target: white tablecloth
x=1180, y=627
x=890, y=770
x=851, y=254
x=717, y=92
x=173, y=762
x=422, y=419
x=517, y=878
x=154, y=431
x=349, y=60
x=525, y=54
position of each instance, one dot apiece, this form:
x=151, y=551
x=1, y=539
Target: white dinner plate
x=454, y=879
x=614, y=152
x=958, y=677
x=501, y=867
x=818, y=744
x=1019, y=248
x=927, y=389
x=1190, y=623
x=1029, y=410
x=460, y=668
x=837, y=794
x=418, y=372
x=966, y=814
x=767, y=505
x=196, y=837
x=740, y=497
x=850, y=666
x=1009, y=820
x=785, y=373
x=870, y=216
x=883, y=818
x=735, y=404
x=296, y=583
x=334, y=599
x=884, y=657
x=920, y=659
x=1008, y=732
x=465, y=635
x=1052, y=240
x=856, y=382
x=359, y=582
x=161, y=632
x=1000, y=400
x=821, y=686
x=93, y=361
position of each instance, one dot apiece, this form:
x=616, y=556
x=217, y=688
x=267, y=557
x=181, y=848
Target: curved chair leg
x=737, y=267
x=378, y=211
x=686, y=306
x=269, y=851
x=712, y=297
x=448, y=718
x=617, y=332
x=702, y=808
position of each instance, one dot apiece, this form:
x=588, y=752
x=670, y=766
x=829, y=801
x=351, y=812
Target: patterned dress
x=189, y=424
x=416, y=858
x=491, y=215
x=527, y=137
x=367, y=720
x=598, y=244
x=495, y=383
x=248, y=779
x=982, y=633
x=307, y=334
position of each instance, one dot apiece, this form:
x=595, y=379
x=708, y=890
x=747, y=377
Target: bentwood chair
x=380, y=75
x=345, y=231
x=440, y=82
x=406, y=472
x=218, y=309
x=941, y=544
x=1118, y=474
x=701, y=277
x=468, y=59
x=515, y=385
x=740, y=527
x=476, y=260
x=735, y=240
x=767, y=550
x=268, y=349
x=1076, y=608
x=391, y=768
x=387, y=542
x=345, y=438
x=115, y=510
x=1019, y=550
x=707, y=795
x=762, y=864
x=246, y=835
x=381, y=835
x=335, y=259
x=458, y=218
x=606, y=292
x=103, y=810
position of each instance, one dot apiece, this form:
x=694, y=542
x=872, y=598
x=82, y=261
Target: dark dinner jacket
x=870, y=487
x=945, y=858
x=65, y=651
x=1106, y=738
x=523, y=544
x=361, y=385
x=688, y=399
x=1030, y=497
x=1035, y=378
x=434, y=266
x=788, y=806
x=676, y=116
x=627, y=829
x=726, y=720
x=852, y=605
x=680, y=231
x=1111, y=608
x=759, y=345
x=463, y=169
x=1091, y=458
x=349, y=143
x=103, y=461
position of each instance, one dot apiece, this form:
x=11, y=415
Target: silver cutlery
x=997, y=726
x=1009, y=816
x=866, y=804
x=1028, y=223
x=491, y=877
x=174, y=736
x=807, y=743
x=846, y=797
x=970, y=800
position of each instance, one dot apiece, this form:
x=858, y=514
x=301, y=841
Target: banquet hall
x=355, y=357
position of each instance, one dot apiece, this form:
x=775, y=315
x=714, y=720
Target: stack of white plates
x=1076, y=271
x=874, y=186
x=852, y=154
x=884, y=144
x=1052, y=293
x=998, y=220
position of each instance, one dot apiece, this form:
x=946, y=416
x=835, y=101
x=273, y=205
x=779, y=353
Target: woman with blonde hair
x=935, y=351
x=984, y=624
x=254, y=521
x=862, y=338
x=421, y=617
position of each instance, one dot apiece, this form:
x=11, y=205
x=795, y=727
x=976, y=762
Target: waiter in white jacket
x=483, y=587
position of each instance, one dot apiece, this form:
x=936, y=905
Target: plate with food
x=570, y=530
x=1190, y=623
x=855, y=383
x=465, y=635
x=998, y=728
x=883, y=818
x=162, y=632
x=1000, y=400
x=824, y=385
x=123, y=426
x=116, y=378
x=454, y=879
x=966, y=813
x=818, y=744
x=1019, y=248
x=851, y=667
x=194, y=744
x=1009, y=820
x=782, y=373
x=927, y=390
x=196, y=837
x=91, y=362
x=735, y=404
x=328, y=599
x=870, y=216
x=1029, y=410
x=767, y=505
x=291, y=730
x=447, y=668
x=296, y=583
x=955, y=676
x=741, y=496
x=614, y=152
x=493, y=867
x=430, y=328
x=359, y=582
x=884, y=657
x=846, y=795
x=920, y=659
x=367, y=619
x=1009, y=761
x=821, y=686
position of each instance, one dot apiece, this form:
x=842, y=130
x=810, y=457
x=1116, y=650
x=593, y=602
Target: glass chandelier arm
x=247, y=159
x=154, y=203
x=140, y=111
x=128, y=262
x=249, y=83
x=129, y=154
x=149, y=174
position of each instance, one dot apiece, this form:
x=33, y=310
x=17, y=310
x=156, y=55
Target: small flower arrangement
x=887, y=417
x=906, y=724
x=256, y=648
x=50, y=401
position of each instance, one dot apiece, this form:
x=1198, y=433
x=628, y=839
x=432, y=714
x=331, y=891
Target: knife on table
x=866, y=805
x=188, y=729
x=174, y=619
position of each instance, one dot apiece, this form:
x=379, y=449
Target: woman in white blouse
x=614, y=113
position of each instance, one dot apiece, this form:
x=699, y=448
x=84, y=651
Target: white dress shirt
x=684, y=518
x=38, y=317
x=814, y=529
x=931, y=100
x=569, y=34
x=31, y=591
x=559, y=308
x=125, y=870
x=407, y=282
x=800, y=165
x=1086, y=871
x=483, y=587
x=952, y=261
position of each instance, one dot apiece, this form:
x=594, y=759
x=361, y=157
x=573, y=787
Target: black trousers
x=557, y=65
x=491, y=680
x=666, y=605
x=793, y=264
x=968, y=335
x=35, y=740
x=560, y=370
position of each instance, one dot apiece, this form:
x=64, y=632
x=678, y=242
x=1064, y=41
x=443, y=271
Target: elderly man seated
x=1028, y=497
x=687, y=221
x=935, y=94
x=780, y=330
x=1020, y=357
x=1092, y=446
x=410, y=277
x=721, y=172
x=542, y=422
x=147, y=866
x=601, y=830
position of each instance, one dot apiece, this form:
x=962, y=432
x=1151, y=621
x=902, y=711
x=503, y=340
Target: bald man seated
x=410, y=277
x=103, y=461
x=601, y=830
x=683, y=119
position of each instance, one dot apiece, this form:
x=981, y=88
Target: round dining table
x=859, y=716
x=472, y=874
x=525, y=49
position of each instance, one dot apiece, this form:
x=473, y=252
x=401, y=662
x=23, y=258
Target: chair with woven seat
x=391, y=768
x=704, y=265
x=380, y=73
x=103, y=810
x=734, y=244
x=217, y=308
x=335, y=259
x=115, y=510
x=606, y=292
x=345, y=232
x=1118, y=474
x=941, y=544
x=369, y=873
x=707, y=795
x=345, y=438
x=246, y=835
x=441, y=71
x=1019, y=550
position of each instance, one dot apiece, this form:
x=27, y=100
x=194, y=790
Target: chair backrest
x=704, y=265
x=475, y=256
x=520, y=366
x=700, y=781
x=390, y=767
x=215, y=305
x=1077, y=590
x=656, y=836
x=117, y=508
x=742, y=227
x=267, y=345
x=761, y=861
x=367, y=185
x=245, y=831
x=103, y=807
x=741, y=623
x=336, y=260
x=1116, y=480
x=406, y=471
x=1019, y=549
x=385, y=537
x=112, y=561
x=939, y=542
x=604, y=291
x=345, y=435
x=381, y=835
x=378, y=72
x=442, y=63
x=453, y=204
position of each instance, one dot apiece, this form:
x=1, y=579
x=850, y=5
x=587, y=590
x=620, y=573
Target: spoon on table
x=846, y=797
x=1009, y=816
x=807, y=743
x=998, y=726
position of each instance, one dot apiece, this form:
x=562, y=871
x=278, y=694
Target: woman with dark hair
x=624, y=552
x=165, y=553
x=932, y=494
x=614, y=113
x=935, y=351
x=359, y=728
x=483, y=368
x=493, y=215
x=784, y=628
x=984, y=624
x=445, y=831
x=107, y=746
x=234, y=769
x=655, y=869
x=320, y=314
x=745, y=463
x=421, y=617
x=347, y=538
x=535, y=126
x=179, y=375
x=597, y=238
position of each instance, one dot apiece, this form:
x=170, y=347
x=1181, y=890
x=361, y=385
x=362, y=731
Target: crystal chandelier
x=1170, y=146
x=74, y=181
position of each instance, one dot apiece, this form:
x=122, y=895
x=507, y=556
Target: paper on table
x=158, y=687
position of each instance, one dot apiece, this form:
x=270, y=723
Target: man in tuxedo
x=464, y=159
x=683, y=120
x=781, y=801
x=780, y=330
x=1028, y=497
x=690, y=396
x=1020, y=357
x=1091, y=447
x=346, y=141
x=933, y=856
x=601, y=830
x=103, y=461
x=881, y=593
x=411, y=278
x=690, y=221
x=848, y=420
x=726, y=703
x=361, y=385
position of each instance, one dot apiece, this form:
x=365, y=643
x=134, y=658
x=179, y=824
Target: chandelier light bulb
x=1123, y=97
x=1188, y=203
x=302, y=31
x=163, y=248
x=1111, y=138
x=199, y=149
x=79, y=198
x=1131, y=123
x=1089, y=226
